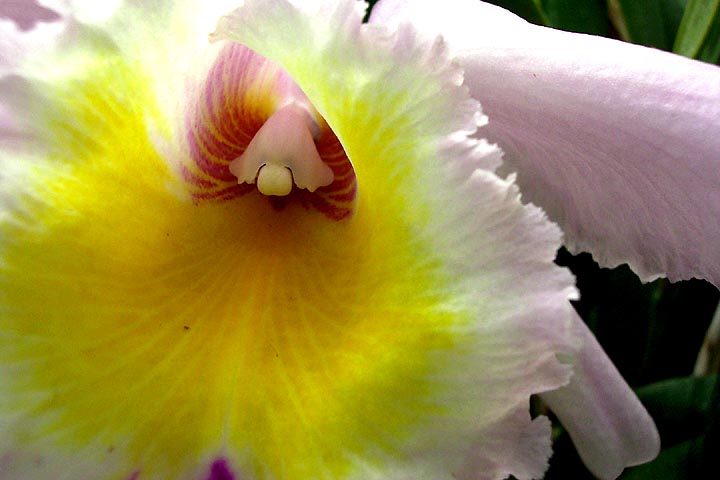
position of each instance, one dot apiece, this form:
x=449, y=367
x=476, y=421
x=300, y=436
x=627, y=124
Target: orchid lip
x=282, y=154
x=252, y=121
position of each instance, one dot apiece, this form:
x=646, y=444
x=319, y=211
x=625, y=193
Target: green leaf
x=710, y=51
x=584, y=16
x=653, y=23
x=675, y=463
x=695, y=26
x=680, y=406
x=683, y=412
x=530, y=10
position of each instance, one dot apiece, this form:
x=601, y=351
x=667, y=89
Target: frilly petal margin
x=620, y=144
x=501, y=252
x=606, y=421
x=440, y=250
x=498, y=250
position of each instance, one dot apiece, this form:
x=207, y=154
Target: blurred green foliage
x=687, y=27
x=696, y=23
x=583, y=16
x=648, y=22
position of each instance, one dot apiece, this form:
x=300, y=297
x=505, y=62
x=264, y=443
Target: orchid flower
x=270, y=241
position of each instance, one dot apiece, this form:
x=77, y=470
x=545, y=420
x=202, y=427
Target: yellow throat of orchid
x=286, y=254
x=159, y=326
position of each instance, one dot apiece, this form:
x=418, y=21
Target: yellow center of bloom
x=146, y=326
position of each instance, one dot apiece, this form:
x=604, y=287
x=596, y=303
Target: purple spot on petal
x=220, y=470
x=135, y=476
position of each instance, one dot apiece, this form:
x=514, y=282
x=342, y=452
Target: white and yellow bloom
x=281, y=254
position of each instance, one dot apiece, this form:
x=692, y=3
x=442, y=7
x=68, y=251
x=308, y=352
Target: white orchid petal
x=607, y=423
x=16, y=44
x=620, y=144
x=401, y=342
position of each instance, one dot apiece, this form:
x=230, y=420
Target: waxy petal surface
x=606, y=421
x=23, y=31
x=620, y=144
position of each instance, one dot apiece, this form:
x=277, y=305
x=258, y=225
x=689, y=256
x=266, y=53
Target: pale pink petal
x=620, y=144
x=517, y=441
x=16, y=43
x=607, y=423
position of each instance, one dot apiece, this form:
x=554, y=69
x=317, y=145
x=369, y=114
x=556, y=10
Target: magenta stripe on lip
x=242, y=90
